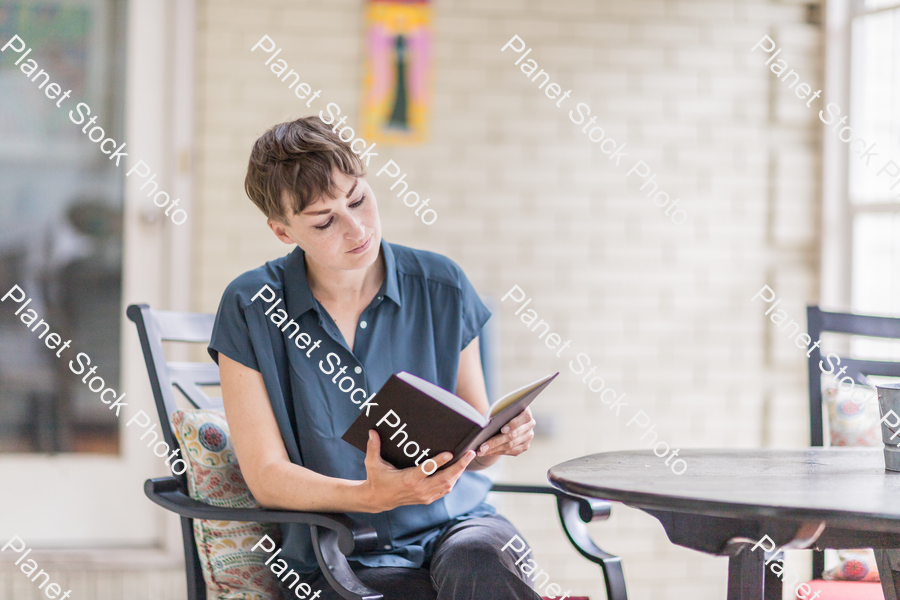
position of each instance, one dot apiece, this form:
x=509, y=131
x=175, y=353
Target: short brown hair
x=298, y=157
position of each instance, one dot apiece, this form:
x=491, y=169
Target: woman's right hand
x=387, y=487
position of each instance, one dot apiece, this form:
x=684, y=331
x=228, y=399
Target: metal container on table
x=889, y=404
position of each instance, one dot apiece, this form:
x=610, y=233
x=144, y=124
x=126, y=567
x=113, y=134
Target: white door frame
x=835, y=254
x=94, y=506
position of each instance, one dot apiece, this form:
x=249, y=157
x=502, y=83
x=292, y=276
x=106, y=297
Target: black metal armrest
x=352, y=538
x=574, y=513
x=589, y=509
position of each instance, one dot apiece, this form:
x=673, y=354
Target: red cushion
x=846, y=590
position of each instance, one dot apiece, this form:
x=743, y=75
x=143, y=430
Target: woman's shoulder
x=431, y=266
x=246, y=285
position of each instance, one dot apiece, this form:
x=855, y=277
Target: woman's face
x=341, y=233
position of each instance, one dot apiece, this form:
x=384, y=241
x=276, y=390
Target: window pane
x=60, y=225
x=868, y=5
x=876, y=277
x=876, y=263
x=874, y=97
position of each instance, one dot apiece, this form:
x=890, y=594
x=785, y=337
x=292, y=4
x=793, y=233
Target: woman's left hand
x=514, y=438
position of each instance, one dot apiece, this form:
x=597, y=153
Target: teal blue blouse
x=424, y=315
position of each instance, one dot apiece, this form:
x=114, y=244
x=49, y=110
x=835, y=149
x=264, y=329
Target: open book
x=413, y=416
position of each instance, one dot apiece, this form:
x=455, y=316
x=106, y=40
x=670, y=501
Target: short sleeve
x=231, y=335
x=474, y=313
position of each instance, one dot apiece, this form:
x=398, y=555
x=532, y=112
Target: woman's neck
x=331, y=286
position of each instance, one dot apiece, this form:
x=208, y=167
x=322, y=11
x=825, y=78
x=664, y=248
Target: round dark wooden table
x=727, y=500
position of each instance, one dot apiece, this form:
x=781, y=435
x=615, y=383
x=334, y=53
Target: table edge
x=667, y=503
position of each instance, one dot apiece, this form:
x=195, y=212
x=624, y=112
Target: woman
x=380, y=308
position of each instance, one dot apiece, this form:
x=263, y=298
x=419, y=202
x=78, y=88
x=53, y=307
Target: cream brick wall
x=524, y=198
x=105, y=579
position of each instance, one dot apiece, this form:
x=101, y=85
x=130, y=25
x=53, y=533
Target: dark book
x=418, y=420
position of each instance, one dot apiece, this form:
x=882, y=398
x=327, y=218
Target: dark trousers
x=467, y=565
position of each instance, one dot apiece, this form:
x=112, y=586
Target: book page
x=513, y=396
x=446, y=398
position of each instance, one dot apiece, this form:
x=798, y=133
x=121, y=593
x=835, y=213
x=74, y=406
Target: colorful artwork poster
x=397, y=84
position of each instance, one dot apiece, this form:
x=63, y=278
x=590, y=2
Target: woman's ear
x=280, y=231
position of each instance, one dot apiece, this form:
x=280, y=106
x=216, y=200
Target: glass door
x=68, y=257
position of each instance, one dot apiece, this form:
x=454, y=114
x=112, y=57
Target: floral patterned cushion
x=852, y=423
x=230, y=569
x=854, y=565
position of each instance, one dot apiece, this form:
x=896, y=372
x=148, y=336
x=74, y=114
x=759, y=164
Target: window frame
x=839, y=211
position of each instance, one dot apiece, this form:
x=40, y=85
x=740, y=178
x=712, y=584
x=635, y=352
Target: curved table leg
x=889, y=571
x=772, y=584
x=745, y=571
x=722, y=536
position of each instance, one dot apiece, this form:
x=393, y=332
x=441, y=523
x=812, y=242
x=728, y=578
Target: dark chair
x=819, y=322
x=334, y=536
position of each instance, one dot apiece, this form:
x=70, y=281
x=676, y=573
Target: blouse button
x=357, y=370
x=363, y=324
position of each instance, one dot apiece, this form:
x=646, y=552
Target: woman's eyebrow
x=328, y=210
x=316, y=213
x=352, y=187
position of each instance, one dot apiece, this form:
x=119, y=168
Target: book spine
x=464, y=445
